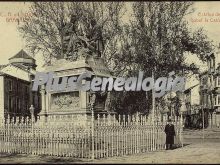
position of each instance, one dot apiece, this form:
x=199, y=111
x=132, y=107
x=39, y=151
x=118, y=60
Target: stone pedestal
x=67, y=103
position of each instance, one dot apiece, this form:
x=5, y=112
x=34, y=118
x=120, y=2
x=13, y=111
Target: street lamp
x=92, y=102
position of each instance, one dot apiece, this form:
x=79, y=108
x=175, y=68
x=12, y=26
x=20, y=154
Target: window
x=18, y=87
x=18, y=106
x=26, y=90
x=218, y=99
x=10, y=85
x=204, y=80
x=218, y=81
x=10, y=102
x=211, y=63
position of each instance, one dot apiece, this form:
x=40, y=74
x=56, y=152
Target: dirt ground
x=195, y=150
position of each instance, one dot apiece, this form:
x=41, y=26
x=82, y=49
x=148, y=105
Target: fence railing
x=96, y=137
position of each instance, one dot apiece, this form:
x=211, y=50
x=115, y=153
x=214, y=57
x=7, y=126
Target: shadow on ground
x=25, y=158
x=63, y=160
x=184, y=145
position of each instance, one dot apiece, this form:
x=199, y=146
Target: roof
x=23, y=67
x=16, y=71
x=2, y=66
x=1, y=73
x=63, y=64
x=22, y=54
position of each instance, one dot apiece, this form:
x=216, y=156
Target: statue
x=80, y=40
x=70, y=37
x=95, y=37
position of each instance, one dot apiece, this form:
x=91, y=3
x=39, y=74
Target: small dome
x=23, y=58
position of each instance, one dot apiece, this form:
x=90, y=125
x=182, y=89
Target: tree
x=44, y=32
x=154, y=40
x=160, y=31
x=157, y=38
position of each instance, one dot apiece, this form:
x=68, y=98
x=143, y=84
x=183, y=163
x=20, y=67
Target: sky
x=11, y=41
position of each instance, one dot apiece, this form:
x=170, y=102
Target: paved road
x=196, y=150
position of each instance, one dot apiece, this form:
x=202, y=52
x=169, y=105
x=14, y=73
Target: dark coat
x=170, y=133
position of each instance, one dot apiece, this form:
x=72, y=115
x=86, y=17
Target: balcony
x=217, y=90
x=217, y=101
x=217, y=85
x=217, y=109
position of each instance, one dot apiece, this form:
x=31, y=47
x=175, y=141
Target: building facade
x=192, y=107
x=209, y=91
x=16, y=95
x=216, y=93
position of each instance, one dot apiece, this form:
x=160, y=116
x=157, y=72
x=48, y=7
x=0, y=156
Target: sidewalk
x=213, y=133
x=193, y=153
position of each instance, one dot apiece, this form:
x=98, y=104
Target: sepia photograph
x=100, y=82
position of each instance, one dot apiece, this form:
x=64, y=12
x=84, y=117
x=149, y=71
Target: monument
x=82, y=52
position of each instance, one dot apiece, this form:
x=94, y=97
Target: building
x=16, y=95
x=192, y=106
x=209, y=90
x=216, y=93
x=190, y=98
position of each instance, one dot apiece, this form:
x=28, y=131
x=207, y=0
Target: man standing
x=170, y=133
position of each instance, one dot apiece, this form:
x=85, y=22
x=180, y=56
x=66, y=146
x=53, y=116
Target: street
x=195, y=150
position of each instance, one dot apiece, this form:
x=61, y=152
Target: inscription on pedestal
x=66, y=101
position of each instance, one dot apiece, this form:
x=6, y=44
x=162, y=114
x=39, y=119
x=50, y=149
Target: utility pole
x=153, y=111
x=203, y=123
x=181, y=112
x=92, y=103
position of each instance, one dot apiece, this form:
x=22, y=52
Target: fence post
x=92, y=132
x=32, y=126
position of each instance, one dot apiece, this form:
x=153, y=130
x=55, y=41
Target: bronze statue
x=80, y=40
x=70, y=40
x=95, y=38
